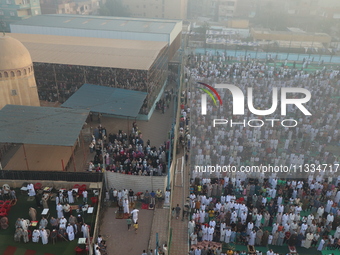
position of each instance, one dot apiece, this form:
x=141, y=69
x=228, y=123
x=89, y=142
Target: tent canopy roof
x=107, y=100
x=41, y=125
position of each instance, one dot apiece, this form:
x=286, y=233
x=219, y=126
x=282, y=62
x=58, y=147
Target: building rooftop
x=107, y=100
x=41, y=125
x=86, y=51
x=124, y=24
x=294, y=31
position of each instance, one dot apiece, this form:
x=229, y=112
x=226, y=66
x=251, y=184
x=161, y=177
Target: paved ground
x=160, y=225
x=120, y=241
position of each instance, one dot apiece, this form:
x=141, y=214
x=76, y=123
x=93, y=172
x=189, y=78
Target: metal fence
x=51, y=175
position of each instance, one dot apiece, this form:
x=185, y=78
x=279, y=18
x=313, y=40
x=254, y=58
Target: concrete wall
x=135, y=182
x=18, y=87
x=289, y=36
x=238, y=23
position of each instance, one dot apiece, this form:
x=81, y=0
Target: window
x=12, y=74
x=18, y=73
x=1, y=12
x=14, y=92
x=230, y=3
x=8, y=1
x=6, y=74
x=25, y=72
x=0, y=75
x=12, y=14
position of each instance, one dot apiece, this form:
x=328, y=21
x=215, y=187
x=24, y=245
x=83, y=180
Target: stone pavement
x=119, y=239
x=160, y=225
x=180, y=244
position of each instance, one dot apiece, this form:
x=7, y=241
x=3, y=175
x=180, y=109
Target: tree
x=113, y=8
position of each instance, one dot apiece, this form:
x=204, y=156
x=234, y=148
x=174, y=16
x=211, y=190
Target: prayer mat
x=206, y=244
x=145, y=206
x=120, y=215
x=10, y=250
x=29, y=199
x=30, y=252
x=74, y=207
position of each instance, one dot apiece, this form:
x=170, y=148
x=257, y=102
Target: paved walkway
x=179, y=239
x=122, y=241
x=179, y=243
x=160, y=225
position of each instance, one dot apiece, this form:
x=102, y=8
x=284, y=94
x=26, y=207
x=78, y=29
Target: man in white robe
x=62, y=222
x=330, y=219
x=35, y=236
x=126, y=206
x=31, y=190
x=70, y=197
x=134, y=213
x=70, y=232
x=24, y=224
x=191, y=227
x=227, y=235
x=258, y=220
x=44, y=237
x=337, y=232
x=252, y=237
x=250, y=227
x=308, y=241
x=211, y=231
x=60, y=211
x=85, y=230
x=222, y=235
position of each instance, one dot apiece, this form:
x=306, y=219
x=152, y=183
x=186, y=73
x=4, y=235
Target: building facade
x=218, y=10
x=81, y=7
x=165, y=9
x=12, y=11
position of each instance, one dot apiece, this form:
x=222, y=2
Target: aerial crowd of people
x=297, y=209
x=56, y=83
x=127, y=154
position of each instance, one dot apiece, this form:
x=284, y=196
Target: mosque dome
x=13, y=54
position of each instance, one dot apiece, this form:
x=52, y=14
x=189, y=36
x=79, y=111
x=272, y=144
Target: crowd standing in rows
x=127, y=154
x=260, y=209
